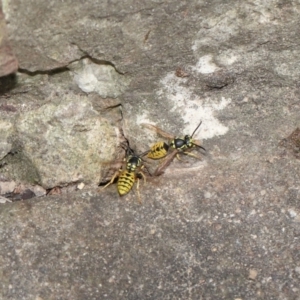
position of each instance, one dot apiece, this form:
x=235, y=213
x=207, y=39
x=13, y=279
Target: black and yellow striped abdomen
x=158, y=150
x=125, y=182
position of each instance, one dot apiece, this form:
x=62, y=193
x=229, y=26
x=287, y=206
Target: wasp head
x=133, y=162
x=188, y=141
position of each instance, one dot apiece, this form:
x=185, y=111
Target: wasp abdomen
x=158, y=150
x=125, y=182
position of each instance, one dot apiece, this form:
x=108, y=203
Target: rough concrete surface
x=225, y=227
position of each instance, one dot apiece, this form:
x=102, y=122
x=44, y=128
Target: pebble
x=7, y=187
x=252, y=274
x=4, y=200
x=80, y=186
x=292, y=213
x=207, y=195
x=38, y=190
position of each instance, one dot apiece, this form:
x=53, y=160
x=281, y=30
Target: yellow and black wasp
x=130, y=172
x=178, y=144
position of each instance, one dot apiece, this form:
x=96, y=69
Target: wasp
x=179, y=145
x=130, y=172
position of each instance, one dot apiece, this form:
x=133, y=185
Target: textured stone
x=6, y=130
x=99, y=78
x=203, y=225
x=7, y=187
x=66, y=142
x=8, y=61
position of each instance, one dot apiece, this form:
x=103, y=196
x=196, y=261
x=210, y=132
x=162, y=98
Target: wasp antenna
x=125, y=145
x=200, y=147
x=196, y=129
x=129, y=151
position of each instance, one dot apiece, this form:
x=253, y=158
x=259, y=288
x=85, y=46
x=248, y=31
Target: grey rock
x=7, y=187
x=66, y=141
x=4, y=200
x=6, y=130
x=38, y=191
x=99, y=78
x=203, y=225
x=8, y=62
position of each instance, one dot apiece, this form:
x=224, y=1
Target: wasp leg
x=193, y=155
x=178, y=157
x=187, y=153
x=138, y=190
x=138, y=184
x=143, y=175
x=111, y=181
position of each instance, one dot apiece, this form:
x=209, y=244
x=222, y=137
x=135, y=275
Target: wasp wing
x=144, y=153
x=158, y=131
x=165, y=163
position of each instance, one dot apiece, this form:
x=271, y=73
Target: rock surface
x=8, y=61
x=226, y=227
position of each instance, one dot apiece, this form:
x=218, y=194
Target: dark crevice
x=24, y=195
x=8, y=83
x=216, y=87
x=44, y=72
x=103, y=183
x=95, y=60
x=113, y=107
x=124, y=145
x=62, y=69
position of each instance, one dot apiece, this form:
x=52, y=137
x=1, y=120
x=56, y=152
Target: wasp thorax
x=133, y=162
x=179, y=144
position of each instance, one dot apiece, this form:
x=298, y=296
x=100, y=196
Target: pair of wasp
x=133, y=168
